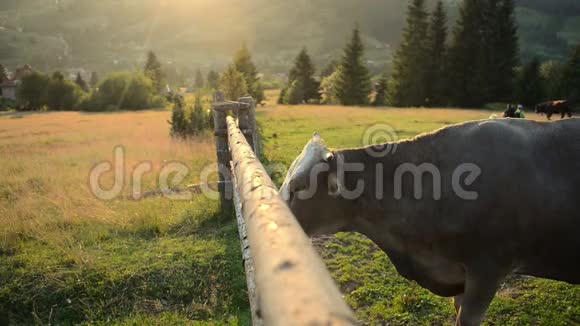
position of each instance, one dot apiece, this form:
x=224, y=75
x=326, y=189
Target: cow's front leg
x=457, y=302
x=480, y=289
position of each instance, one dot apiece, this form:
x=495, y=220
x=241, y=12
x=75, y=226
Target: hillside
x=114, y=34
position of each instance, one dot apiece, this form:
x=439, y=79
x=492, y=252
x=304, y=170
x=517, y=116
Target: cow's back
x=528, y=209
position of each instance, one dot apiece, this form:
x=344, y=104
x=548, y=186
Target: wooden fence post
x=251, y=126
x=223, y=154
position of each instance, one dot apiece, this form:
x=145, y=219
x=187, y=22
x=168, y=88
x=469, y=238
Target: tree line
x=133, y=90
x=475, y=63
x=238, y=80
x=130, y=90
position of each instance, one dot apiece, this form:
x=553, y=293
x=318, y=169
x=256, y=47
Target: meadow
x=368, y=280
x=67, y=257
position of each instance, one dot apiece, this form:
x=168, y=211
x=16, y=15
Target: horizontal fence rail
x=288, y=283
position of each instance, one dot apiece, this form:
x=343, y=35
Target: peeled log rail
x=292, y=283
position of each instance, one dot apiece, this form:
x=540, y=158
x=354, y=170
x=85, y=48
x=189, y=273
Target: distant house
x=8, y=89
x=10, y=82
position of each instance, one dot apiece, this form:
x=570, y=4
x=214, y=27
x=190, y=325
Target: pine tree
x=484, y=53
x=435, y=80
x=178, y=120
x=199, y=80
x=82, y=83
x=198, y=119
x=328, y=88
x=501, y=42
x=243, y=63
x=154, y=71
x=213, y=80
x=571, y=78
x=530, y=88
x=233, y=84
x=353, y=84
x=329, y=69
x=467, y=73
x=3, y=76
x=294, y=94
x=407, y=85
x=381, y=92
x=94, y=82
x=3, y=73
x=301, y=83
x=552, y=74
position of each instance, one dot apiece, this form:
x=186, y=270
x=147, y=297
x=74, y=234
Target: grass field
x=367, y=278
x=68, y=258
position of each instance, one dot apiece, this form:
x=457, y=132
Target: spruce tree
x=233, y=84
x=381, y=92
x=501, y=43
x=571, y=78
x=213, y=80
x=94, y=82
x=530, y=88
x=467, y=72
x=198, y=80
x=243, y=63
x=484, y=53
x=154, y=71
x=3, y=73
x=329, y=69
x=435, y=80
x=353, y=84
x=407, y=85
x=294, y=94
x=178, y=120
x=301, y=83
x=198, y=119
x=82, y=83
x=552, y=74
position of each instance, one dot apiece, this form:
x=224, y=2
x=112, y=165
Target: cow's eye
x=297, y=185
x=333, y=187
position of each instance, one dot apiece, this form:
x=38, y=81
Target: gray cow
x=456, y=210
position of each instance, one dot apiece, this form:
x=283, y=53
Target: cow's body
x=554, y=107
x=526, y=218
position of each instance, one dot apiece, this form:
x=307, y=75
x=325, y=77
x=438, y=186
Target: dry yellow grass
x=46, y=159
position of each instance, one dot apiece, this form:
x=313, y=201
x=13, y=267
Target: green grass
x=190, y=269
x=364, y=273
x=67, y=258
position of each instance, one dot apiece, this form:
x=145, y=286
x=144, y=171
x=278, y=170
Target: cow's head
x=311, y=190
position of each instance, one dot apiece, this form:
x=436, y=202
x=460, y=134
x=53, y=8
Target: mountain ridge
x=112, y=35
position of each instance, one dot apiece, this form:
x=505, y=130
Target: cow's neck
x=373, y=217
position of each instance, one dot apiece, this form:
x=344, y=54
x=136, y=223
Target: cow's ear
x=328, y=156
x=333, y=185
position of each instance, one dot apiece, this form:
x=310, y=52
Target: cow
x=552, y=107
x=456, y=210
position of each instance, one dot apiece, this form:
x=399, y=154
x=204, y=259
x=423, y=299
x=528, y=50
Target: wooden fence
x=288, y=284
